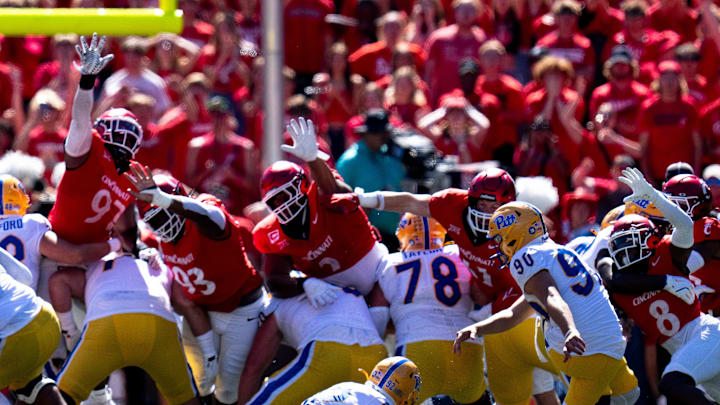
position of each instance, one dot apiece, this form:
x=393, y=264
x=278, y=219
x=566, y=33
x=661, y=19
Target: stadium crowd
x=550, y=101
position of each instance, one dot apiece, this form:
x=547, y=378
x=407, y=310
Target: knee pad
x=30, y=392
x=628, y=398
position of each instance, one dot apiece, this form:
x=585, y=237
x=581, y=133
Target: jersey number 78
x=444, y=273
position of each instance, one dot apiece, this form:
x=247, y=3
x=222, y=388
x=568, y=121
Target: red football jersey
x=340, y=235
x=91, y=198
x=215, y=273
x=708, y=229
x=659, y=314
x=448, y=207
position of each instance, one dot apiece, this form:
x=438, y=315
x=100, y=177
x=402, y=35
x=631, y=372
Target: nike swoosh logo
x=314, y=221
x=655, y=262
x=508, y=294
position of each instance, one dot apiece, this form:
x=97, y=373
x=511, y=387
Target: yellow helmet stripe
x=390, y=371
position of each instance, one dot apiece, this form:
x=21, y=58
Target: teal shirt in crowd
x=373, y=171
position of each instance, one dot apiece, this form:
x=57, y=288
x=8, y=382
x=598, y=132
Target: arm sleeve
x=14, y=268
x=682, y=235
x=214, y=213
x=79, y=137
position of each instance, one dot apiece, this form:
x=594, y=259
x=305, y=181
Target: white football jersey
x=126, y=285
x=429, y=294
x=588, y=247
x=18, y=305
x=346, y=321
x=582, y=290
x=20, y=235
x=348, y=393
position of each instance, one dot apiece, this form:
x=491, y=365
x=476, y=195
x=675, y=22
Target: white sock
x=67, y=323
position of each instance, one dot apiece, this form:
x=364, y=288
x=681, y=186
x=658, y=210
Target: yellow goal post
x=84, y=21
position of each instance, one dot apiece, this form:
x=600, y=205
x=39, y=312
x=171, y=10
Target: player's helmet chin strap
x=30, y=399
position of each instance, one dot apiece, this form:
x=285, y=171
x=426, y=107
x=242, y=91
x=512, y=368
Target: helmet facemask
x=479, y=220
x=630, y=246
x=287, y=201
x=686, y=203
x=122, y=132
x=166, y=225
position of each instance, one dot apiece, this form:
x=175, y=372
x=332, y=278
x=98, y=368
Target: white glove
x=211, y=369
x=681, y=288
x=152, y=256
x=633, y=178
x=91, y=61
x=304, y=141
x=703, y=289
x=320, y=293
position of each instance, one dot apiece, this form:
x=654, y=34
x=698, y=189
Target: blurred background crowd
x=411, y=95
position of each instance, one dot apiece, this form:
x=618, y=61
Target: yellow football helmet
x=15, y=200
x=612, y=216
x=513, y=226
x=398, y=378
x=648, y=210
x=419, y=233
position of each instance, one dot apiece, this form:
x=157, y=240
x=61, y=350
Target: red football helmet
x=166, y=225
x=494, y=185
x=633, y=238
x=690, y=193
x=119, y=127
x=284, y=186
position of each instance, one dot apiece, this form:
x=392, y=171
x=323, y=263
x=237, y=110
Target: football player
x=129, y=322
x=29, y=334
x=583, y=333
x=693, y=195
x=645, y=260
x=312, y=228
x=393, y=379
x=332, y=342
x=515, y=370
x=92, y=195
x=427, y=289
x=203, y=244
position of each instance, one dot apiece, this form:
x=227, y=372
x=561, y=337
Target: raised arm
x=542, y=286
x=418, y=204
x=79, y=139
x=305, y=147
x=211, y=220
x=62, y=251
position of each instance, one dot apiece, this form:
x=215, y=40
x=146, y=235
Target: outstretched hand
x=304, y=145
x=91, y=60
x=462, y=335
x=141, y=179
x=641, y=189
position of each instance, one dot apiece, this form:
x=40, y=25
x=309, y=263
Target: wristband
x=568, y=333
x=207, y=344
x=381, y=202
x=87, y=82
x=159, y=198
x=115, y=244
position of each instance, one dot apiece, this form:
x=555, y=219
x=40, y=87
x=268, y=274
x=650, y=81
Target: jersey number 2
x=443, y=281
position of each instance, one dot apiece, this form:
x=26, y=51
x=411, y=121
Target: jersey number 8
x=444, y=281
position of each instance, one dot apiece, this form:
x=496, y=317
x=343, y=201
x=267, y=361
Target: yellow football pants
x=141, y=340
x=594, y=376
x=25, y=352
